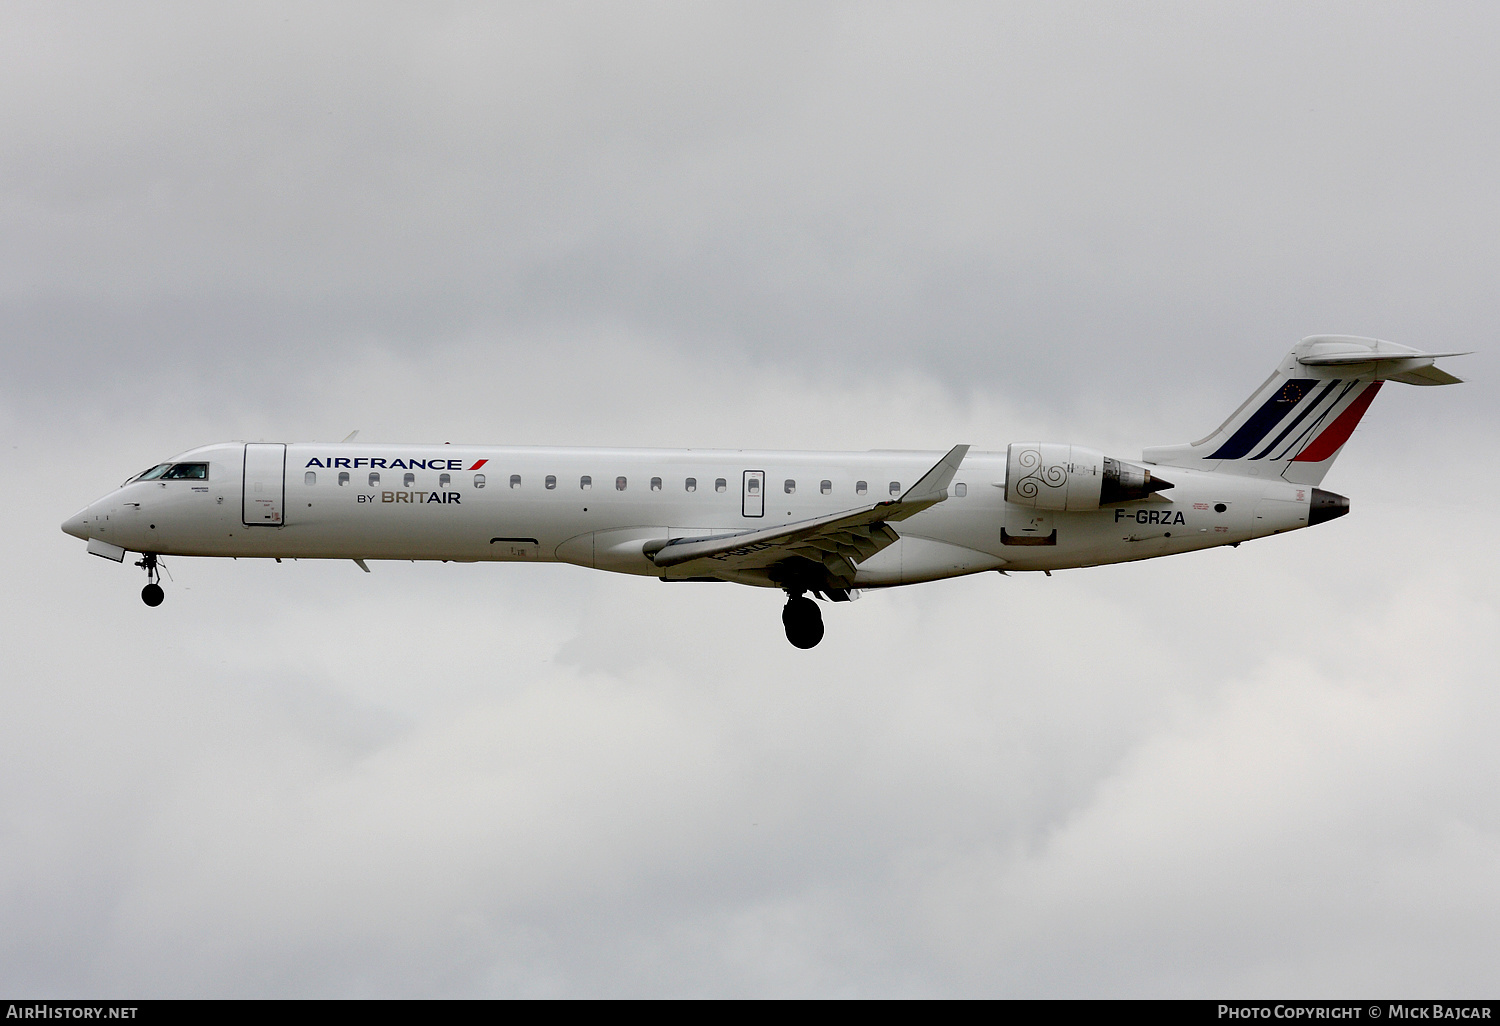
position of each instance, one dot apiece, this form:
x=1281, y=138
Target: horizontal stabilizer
x=1374, y=358
x=1342, y=359
x=1428, y=375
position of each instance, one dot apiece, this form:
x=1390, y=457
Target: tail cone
x=1326, y=506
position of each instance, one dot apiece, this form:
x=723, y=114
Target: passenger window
x=895, y=487
x=960, y=489
x=444, y=480
x=619, y=484
x=860, y=487
x=374, y=480
x=656, y=484
x=515, y=480
x=478, y=480
x=691, y=484
x=720, y=484
x=790, y=486
x=825, y=487
x=407, y=480
x=585, y=482
x=551, y=481
x=310, y=478
x=343, y=478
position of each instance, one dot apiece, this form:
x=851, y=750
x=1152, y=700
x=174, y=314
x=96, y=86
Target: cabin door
x=755, y=493
x=265, y=484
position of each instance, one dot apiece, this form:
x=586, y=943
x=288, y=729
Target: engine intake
x=1049, y=475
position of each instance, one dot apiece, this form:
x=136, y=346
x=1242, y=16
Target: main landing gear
x=803, y=621
x=151, y=594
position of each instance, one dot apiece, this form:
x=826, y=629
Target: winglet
x=933, y=487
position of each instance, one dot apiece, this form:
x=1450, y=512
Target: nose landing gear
x=151, y=594
x=803, y=621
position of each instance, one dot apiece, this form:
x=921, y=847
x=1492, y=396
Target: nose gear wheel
x=152, y=593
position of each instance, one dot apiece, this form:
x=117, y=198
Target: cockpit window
x=152, y=474
x=187, y=472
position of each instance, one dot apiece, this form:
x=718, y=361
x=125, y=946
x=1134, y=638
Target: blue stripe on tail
x=1282, y=402
x=1299, y=418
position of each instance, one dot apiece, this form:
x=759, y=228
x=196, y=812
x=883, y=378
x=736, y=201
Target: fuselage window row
x=199, y=472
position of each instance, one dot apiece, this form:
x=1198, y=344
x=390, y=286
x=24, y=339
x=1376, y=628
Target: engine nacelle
x=1049, y=475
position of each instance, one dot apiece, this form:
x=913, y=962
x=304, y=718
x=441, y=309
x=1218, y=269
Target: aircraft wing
x=837, y=542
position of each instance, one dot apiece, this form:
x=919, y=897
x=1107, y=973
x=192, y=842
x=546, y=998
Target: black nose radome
x=1326, y=506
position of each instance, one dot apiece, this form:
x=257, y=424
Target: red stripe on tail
x=1337, y=433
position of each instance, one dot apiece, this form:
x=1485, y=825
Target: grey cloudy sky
x=1264, y=771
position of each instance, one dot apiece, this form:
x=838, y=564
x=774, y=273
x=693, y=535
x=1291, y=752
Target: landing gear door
x=755, y=493
x=265, y=484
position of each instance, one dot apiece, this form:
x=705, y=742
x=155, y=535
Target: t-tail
x=1295, y=425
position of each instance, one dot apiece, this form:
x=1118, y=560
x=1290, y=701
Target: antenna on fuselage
x=351, y=435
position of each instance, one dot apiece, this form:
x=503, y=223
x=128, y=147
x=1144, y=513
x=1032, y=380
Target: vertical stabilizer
x=1295, y=425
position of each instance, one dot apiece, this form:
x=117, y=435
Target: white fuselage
x=599, y=507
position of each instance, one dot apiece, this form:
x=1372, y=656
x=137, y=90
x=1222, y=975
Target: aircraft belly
x=913, y=560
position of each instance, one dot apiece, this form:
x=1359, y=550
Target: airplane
x=825, y=524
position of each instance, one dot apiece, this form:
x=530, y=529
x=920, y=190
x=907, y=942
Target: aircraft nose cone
x=75, y=524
